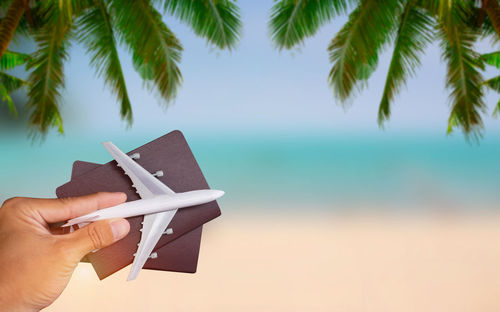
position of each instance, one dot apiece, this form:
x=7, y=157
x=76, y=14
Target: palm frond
x=463, y=77
x=12, y=59
x=22, y=30
x=492, y=59
x=151, y=43
x=216, y=20
x=9, y=84
x=97, y=34
x=493, y=83
x=66, y=9
x=354, y=50
x=9, y=23
x=12, y=83
x=496, y=112
x=5, y=97
x=492, y=8
x=413, y=35
x=47, y=76
x=292, y=21
x=33, y=18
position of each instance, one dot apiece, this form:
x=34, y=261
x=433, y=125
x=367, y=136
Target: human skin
x=37, y=261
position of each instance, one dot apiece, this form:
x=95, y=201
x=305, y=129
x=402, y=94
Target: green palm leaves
x=47, y=76
x=98, y=36
x=354, y=50
x=102, y=26
x=155, y=48
x=292, y=21
x=493, y=59
x=216, y=20
x=9, y=83
x=409, y=26
x=463, y=77
x=414, y=32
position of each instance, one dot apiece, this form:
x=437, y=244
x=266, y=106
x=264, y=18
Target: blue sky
x=258, y=88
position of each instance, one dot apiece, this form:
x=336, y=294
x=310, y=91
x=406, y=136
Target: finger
x=96, y=235
x=55, y=210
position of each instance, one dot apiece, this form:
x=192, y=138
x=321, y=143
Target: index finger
x=62, y=209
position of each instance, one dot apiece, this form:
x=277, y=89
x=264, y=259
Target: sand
x=316, y=263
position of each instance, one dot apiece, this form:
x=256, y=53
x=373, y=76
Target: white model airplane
x=158, y=204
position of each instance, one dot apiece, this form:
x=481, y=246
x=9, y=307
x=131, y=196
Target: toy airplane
x=158, y=204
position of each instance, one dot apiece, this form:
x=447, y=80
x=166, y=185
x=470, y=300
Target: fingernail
x=122, y=194
x=120, y=228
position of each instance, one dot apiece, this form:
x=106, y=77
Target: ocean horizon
x=272, y=170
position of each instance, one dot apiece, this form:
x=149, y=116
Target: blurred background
x=324, y=211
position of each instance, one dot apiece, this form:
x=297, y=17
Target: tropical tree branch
x=463, y=77
x=294, y=20
x=97, y=34
x=11, y=59
x=413, y=35
x=492, y=8
x=354, y=50
x=155, y=48
x=47, y=76
x=9, y=23
x=216, y=20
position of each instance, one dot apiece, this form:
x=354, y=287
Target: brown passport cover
x=180, y=255
x=169, y=153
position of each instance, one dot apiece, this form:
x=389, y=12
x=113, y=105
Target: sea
x=291, y=171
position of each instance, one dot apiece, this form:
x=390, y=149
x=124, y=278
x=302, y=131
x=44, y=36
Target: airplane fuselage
x=155, y=204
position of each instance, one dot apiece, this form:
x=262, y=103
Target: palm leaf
x=492, y=59
x=66, y=9
x=47, y=76
x=493, y=83
x=12, y=83
x=10, y=22
x=294, y=20
x=463, y=77
x=496, y=112
x=488, y=31
x=413, y=35
x=492, y=7
x=354, y=50
x=216, y=20
x=5, y=97
x=22, y=29
x=96, y=33
x=151, y=43
x=9, y=84
x=12, y=59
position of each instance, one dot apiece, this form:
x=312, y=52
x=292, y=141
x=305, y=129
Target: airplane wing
x=147, y=186
x=143, y=181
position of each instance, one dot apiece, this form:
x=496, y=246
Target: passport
x=176, y=252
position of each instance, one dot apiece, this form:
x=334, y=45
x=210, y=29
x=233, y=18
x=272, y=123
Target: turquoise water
x=329, y=171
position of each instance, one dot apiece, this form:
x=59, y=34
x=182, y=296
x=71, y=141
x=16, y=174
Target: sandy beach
x=316, y=263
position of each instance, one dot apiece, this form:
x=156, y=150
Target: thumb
x=97, y=235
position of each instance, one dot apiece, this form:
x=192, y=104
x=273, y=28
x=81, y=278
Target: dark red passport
x=181, y=255
x=171, y=154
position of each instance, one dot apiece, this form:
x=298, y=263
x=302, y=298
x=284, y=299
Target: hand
x=36, y=262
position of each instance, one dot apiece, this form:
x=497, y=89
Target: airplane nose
x=217, y=194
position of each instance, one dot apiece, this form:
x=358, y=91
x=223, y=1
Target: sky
x=257, y=88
